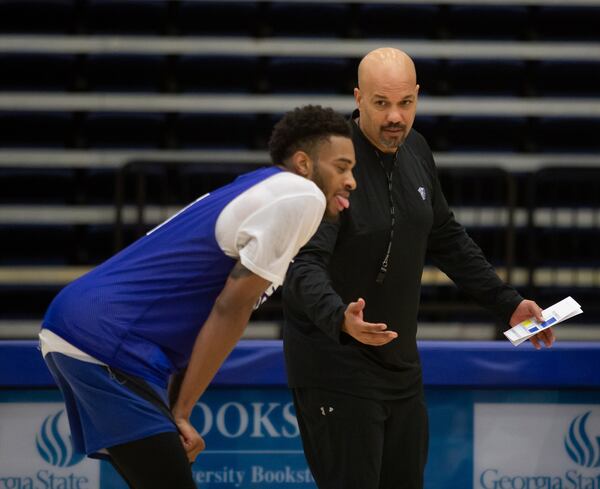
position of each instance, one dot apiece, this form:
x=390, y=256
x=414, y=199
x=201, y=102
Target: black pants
x=355, y=443
x=156, y=462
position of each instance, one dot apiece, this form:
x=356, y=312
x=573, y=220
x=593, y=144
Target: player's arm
x=219, y=334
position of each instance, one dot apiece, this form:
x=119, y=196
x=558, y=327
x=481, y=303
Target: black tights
x=156, y=462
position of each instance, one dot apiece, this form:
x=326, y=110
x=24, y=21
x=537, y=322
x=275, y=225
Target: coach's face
x=331, y=169
x=387, y=98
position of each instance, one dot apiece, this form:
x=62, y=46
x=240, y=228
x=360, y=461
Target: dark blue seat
x=483, y=77
x=37, y=186
x=198, y=179
x=313, y=19
x=399, y=21
x=486, y=22
x=215, y=131
x=568, y=23
x=125, y=73
x=217, y=73
x=36, y=129
x=310, y=75
x=430, y=77
x=48, y=72
x=487, y=194
x=37, y=16
x=43, y=244
x=475, y=133
x=567, y=78
x=475, y=187
x=567, y=134
x=430, y=128
x=218, y=18
x=124, y=130
x=126, y=17
x=568, y=236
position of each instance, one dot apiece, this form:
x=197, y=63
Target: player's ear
x=301, y=164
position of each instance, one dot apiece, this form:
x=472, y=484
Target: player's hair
x=304, y=129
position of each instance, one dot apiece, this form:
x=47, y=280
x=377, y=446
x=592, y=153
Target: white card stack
x=553, y=315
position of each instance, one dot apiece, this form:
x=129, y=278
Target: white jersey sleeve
x=266, y=226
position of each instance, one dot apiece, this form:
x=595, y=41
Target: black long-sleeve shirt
x=341, y=263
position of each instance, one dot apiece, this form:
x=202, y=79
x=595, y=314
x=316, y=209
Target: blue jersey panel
x=141, y=310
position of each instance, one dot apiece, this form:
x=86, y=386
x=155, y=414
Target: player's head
x=315, y=142
x=387, y=97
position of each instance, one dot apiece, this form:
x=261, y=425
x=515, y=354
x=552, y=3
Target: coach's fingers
x=356, y=308
x=380, y=339
x=375, y=334
x=546, y=336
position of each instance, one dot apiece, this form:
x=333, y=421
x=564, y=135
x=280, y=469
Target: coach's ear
x=302, y=164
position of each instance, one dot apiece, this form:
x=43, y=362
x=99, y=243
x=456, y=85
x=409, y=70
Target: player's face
x=387, y=112
x=332, y=172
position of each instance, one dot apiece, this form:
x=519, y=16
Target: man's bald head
x=386, y=65
x=386, y=97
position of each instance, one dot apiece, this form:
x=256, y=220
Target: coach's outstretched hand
x=374, y=334
x=190, y=438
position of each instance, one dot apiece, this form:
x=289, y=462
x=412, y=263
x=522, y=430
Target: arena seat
x=472, y=133
x=125, y=73
x=486, y=22
x=566, y=78
x=552, y=22
x=37, y=186
x=51, y=16
x=124, y=130
x=126, y=17
x=430, y=76
x=37, y=72
x=486, y=77
x=215, y=131
x=196, y=73
x=309, y=75
x=567, y=134
x=294, y=19
x=399, y=21
x=218, y=18
x=46, y=244
x=36, y=129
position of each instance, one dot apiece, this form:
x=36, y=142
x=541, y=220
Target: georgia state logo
x=54, y=443
x=581, y=449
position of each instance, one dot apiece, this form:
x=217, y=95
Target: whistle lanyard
x=386, y=259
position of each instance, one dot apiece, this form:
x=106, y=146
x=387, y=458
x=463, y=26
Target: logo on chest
x=422, y=192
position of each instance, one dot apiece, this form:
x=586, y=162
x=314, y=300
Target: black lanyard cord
x=386, y=259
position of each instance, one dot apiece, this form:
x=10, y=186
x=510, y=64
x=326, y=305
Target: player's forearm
x=218, y=336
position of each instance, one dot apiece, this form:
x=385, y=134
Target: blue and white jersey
x=141, y=310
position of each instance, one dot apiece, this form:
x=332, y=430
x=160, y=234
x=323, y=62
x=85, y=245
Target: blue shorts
x=104, y=409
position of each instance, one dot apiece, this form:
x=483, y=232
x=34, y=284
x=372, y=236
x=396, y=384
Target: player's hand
x=527, y=309
x=191, y=440
x=374, y=334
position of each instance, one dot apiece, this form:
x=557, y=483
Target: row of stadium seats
x=275, y=74
x=191, y=130
x=483, y=197
x=366, y=20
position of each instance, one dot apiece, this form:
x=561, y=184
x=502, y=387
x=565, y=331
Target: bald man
x=351, y=297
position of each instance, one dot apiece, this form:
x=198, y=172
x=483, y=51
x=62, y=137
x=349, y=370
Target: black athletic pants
x=356, y=443
x=156, y=462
